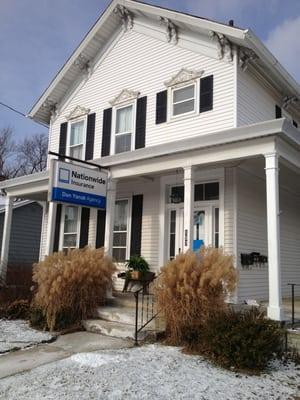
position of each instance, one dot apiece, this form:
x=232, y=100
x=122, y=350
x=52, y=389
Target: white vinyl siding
x=156, y=63
x=254, y=102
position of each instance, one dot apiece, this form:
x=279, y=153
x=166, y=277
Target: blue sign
x=78, y=198
x=73, y=184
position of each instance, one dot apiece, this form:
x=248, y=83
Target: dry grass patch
x=69, y=286
x=191, y=288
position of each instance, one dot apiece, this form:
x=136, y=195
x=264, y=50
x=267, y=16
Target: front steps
x=117, y=319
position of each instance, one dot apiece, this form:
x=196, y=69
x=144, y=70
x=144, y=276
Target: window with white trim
x=183, y=100
x=76, y=143
x=124, y=129
x=120, y=232
x=70, y=227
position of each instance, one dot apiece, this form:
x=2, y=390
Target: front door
x=202, y=229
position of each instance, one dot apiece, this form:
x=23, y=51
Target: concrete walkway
x=27, y=359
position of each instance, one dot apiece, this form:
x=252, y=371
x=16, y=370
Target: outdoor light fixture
x=175, y=195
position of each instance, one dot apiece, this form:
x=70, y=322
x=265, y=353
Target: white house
x=196, y=122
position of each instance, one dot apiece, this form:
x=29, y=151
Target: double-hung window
x=120, y=233
x=183, y=100
x=76, y=139
x=70, y=227
x=124, y=129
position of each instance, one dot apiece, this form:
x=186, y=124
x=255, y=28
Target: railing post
x=136, y=295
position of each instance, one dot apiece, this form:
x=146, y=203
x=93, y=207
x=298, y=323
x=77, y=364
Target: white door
x=203, y=232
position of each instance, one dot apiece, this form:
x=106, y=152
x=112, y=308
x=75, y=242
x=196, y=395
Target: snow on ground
x=148, y=372
x=17, y=334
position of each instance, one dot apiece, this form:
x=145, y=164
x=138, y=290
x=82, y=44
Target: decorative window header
x=78, y=111
x=125, y=95
x=183, y=76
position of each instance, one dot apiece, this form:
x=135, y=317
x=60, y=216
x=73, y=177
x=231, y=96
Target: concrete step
x=114, y=329
x=120, y=299
x=125, y=315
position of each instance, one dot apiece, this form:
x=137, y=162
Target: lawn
x=147, y=372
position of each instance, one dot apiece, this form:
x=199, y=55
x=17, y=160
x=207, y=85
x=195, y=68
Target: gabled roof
x=109, y=25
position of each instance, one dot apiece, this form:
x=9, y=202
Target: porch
x=191, y=196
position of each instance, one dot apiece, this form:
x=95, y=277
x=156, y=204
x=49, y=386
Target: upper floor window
x=184, y=100
x=124, y=129
x=77, y=139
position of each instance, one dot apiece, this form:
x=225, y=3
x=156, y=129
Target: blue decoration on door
x=197, y=244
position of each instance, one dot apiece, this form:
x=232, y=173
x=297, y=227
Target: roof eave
x=253, y=42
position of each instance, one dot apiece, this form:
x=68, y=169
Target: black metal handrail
x=293, y=301
x=144, y=298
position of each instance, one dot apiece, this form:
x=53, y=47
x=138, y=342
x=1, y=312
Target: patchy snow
x=17, y=334
x=149, y=372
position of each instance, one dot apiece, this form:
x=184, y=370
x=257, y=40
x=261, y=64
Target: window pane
x=177, y=194
x=119, y=254
x=76, y=136
x=212, y=191
x=181, y=108
x=70, y=240
x=216, y=227
x=184, y=94
x=119, y=239
x=198, y=196
x=121, y=210
x=71, y=217
x=123, y=143
x=124, y=120
x=76, y=151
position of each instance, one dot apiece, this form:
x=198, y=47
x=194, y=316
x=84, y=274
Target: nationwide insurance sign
x=73, y=184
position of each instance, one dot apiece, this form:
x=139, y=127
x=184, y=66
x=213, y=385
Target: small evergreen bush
x=70, y=286
x=243, y=340
x=192, y=287
x=18, y=309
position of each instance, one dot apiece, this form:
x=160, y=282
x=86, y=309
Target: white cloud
x=284, y=43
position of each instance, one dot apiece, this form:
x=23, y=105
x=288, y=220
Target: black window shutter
x=140, y=127
x=278, y=112
x=100, y=230
x=90, y=135
x=106, y=132
x=206, y=93
x=161, y=106
x=84, y=227
x=136, y=225
x=63, y=138
x=57, y=228
x=295, y=124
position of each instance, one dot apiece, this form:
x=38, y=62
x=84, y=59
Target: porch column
x=188, y=207
x=50, y=228
x=275, y=310
x=110, y=216
x=6, y=237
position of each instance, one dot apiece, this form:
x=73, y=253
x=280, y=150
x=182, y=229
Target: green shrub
x=243, y=340
x=137, y=263
x=70, y=286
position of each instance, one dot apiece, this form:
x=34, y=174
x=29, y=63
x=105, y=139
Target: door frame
x=201, y=176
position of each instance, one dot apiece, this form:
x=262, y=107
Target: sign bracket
x=61, y=157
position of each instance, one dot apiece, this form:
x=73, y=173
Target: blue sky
x=37, y=36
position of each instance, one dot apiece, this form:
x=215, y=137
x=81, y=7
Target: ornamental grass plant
x=69, y=286
x=191, y=289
